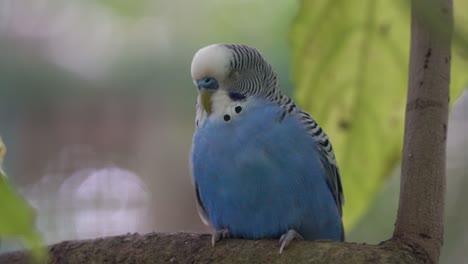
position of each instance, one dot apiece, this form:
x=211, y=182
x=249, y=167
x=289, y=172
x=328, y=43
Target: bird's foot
x=287, y=237
x=219, y=234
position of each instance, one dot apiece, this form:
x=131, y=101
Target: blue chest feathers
x=260, y=175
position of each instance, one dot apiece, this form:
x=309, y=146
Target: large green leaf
x=350, y=65
x=17, y=217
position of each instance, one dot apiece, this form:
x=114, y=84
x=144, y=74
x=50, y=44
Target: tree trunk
x=422, y=191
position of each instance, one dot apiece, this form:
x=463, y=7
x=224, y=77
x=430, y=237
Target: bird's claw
x=287, y=237
x=218, y=235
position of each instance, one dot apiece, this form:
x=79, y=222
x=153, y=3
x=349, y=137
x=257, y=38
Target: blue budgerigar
x=261, y=166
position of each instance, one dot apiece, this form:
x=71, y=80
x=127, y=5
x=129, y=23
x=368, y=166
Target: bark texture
x=196, y=248
x=422, y=195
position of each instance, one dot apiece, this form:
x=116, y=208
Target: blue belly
x=260, y=175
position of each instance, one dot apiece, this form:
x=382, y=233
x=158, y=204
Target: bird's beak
x=205, y=96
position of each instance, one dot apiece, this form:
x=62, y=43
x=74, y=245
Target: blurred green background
x=97, y=107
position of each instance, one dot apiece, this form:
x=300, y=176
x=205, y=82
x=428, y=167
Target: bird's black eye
x=227, y=118
x=208, y=83
x=238, y=109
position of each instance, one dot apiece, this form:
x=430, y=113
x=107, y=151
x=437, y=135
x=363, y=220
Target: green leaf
x=17, y=219
x=350, y=66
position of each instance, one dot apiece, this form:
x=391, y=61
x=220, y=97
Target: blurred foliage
x=2, y=154
x=126, y=8
x=350, y=67
x=17, y=216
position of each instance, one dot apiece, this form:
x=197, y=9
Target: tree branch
x=196, y=248
x=422, y=194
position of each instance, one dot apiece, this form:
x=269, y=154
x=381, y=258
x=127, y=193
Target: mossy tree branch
x=196, y=248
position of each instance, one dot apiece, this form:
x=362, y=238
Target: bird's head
x=238, y=70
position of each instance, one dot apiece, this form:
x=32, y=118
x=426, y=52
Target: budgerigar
x=261, y=166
